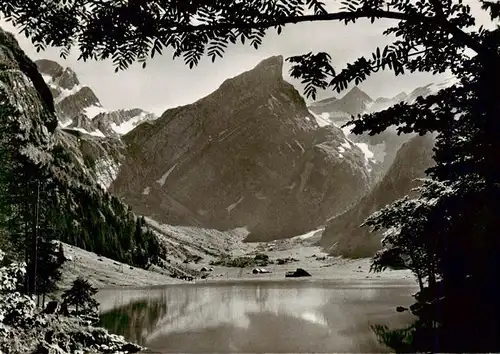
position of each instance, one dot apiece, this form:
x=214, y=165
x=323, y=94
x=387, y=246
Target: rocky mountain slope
x=339, y=111
x=385, y=145
x=356, y=101
x=99, y=157
x=78, y=107
x=353, y=102
x=343, y=236
x=248, y=155
x=91, y=132
x=36, y=152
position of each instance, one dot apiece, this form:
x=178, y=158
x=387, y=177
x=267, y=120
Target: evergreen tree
x=80, y=295
x=61, y=258
x=44, y=262
x=48, y=268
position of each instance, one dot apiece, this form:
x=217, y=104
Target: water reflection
x=268, y=317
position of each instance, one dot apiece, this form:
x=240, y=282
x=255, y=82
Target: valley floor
x=106, y=273
x=309, y=257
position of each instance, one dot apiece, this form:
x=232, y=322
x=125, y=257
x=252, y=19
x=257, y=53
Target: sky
x=167, y=83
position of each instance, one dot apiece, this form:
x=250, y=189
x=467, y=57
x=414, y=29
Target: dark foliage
x=61, y=258
x=48, y=267
x=101, y=223
x=81, y=296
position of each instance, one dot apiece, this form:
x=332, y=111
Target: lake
x=257, y=317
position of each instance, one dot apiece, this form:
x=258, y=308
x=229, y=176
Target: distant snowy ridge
x=127, y=126
x=92, y=111
x=78, y=108
x=381, y=147
x=356, y=101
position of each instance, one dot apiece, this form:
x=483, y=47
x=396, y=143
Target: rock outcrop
x=354, y=102
x=339, y=111
x=343, y=234
x=91, y=132
x=385, y=145
x=248, y=155
x=78, y=107
x=100, y=158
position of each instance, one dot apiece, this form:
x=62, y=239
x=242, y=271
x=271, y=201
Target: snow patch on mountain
x=345, y=130
x=127, y=126
x=47, y=78
x=322, y=120
x=300, y=146
x=66, y=123
x=94, y=133
x=234, y=205
x=364, y=147
x=92, y=111
x=67, y=92
x=163, y=178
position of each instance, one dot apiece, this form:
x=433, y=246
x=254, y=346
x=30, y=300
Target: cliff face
x=354, y=102
x=343, y=236
x=249, y=154
x=78, y=108
x=35, y=151
x=385, y=145
x=87, y=129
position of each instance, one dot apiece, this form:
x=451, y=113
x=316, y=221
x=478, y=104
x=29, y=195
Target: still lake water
x=257, y=317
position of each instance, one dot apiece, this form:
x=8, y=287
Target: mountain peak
x=356, y=92
x=49, y=67
x=401, y=96
x=54, y=73
x=263, y=157
x=264, y=75
x=77, y=105
x=272, y=66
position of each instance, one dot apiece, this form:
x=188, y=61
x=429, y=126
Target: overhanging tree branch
x=438, y=21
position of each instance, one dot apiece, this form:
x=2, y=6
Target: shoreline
x=349, y=273
x=324, y=282
x=107, y=274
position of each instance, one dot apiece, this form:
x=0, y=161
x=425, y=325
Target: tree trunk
x=27, y=249
x=488, y=110
x=417, y=271
x=35, y=240
x=431, y=275
x=420, y=280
